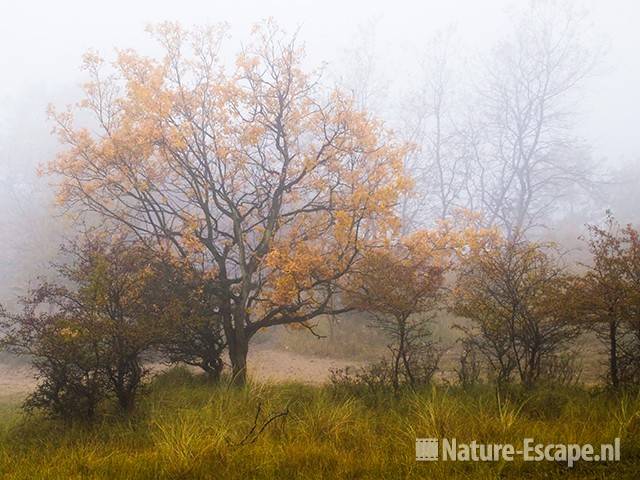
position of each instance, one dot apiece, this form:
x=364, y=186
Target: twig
x=252, y=435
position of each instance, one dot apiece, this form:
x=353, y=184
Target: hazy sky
x=41, y=42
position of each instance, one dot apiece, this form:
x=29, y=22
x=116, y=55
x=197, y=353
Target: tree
x=515, y=292
x=400, y=286
x=497, y=137
x=277, y=183
x=434, y=121
x=113, y=304
x=608, y=298
x=527, y=159
x=191, y=327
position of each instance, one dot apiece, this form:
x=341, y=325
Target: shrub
x=516, y=294
x=71, y=379
x=191, y=324
x=384, y=375
x=87, y=334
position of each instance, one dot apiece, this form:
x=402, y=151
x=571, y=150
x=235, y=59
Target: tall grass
x=186, y=428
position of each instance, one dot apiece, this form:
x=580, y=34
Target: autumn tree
x=281, y=184
x=514, y=292
x=608, y=300
x=401, y=286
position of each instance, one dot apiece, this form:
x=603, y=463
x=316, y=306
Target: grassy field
x=187, y=429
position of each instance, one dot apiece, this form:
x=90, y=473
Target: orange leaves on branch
x=254, y=170
x=294, y=271
x=404, y=278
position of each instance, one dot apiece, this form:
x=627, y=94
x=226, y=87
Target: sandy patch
x=264, y=365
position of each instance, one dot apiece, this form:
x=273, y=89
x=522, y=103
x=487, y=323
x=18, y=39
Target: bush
x=517, y=295
x=72, y=381
x=374, y=378
x=562, y=369
x=116, y=302
x=383, y=375
x=87, y=334
x=191, y=331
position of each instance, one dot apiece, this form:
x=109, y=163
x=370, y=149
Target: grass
x=187, y=429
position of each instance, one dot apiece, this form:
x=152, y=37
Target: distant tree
x=514, y=292
x=527, y=159
x=496, y=137
x=279, y=184
x=621, y=192
x=434, y=121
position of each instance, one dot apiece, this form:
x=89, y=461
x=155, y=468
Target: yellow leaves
x=435, y=246
x=90, y=59
x=405, y=275
x=294, y=271
x=190, y=240
x=247, y=63
x=188, y=147
x=343, y=227
x=177, y=137
x=69, y=333
x=252, y=134
x=400, y=280
x=404, y=183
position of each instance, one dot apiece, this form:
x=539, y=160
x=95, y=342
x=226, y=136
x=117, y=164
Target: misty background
x=382, y=51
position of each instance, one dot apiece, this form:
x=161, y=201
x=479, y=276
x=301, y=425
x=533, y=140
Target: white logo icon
x=426, y=449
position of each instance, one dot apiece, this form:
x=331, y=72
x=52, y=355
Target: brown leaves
x=403, y=279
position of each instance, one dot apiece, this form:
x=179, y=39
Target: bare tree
x=501, y=143
x=364, y=74
x=440, y=162
x=527, y=160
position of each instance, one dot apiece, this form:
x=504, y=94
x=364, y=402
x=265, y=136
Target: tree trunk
x=238, y=357
x=613, y=353
x=395, y=372
x=235, y=332
x=238, y=340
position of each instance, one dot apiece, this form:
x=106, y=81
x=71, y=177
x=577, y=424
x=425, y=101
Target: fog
x=41, y=44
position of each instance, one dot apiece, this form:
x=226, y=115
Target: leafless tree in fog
x=509, y=152
x=529, y=158
x=441, y=162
